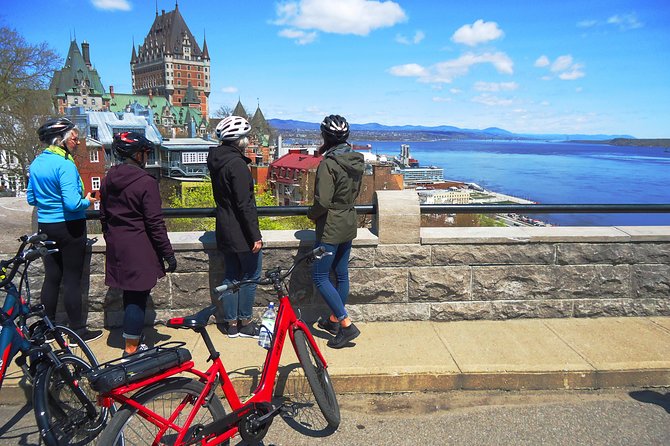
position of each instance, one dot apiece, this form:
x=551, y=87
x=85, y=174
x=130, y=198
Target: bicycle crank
x=255, y=424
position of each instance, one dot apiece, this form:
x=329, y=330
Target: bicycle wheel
x=320, y=384
x=60, y=415
x=76, y=345
x=164, y=398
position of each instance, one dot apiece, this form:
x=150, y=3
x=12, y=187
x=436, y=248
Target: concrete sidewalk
x=546, y=354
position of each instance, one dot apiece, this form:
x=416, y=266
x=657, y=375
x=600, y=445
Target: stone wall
x=403, y=272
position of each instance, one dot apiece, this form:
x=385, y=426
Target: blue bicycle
x=53, y=357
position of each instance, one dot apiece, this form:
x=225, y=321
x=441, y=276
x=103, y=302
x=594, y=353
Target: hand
x=257, y=246
x=91, y=197
x=171, y=264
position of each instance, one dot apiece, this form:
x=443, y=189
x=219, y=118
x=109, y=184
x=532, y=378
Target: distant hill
x=380, y=131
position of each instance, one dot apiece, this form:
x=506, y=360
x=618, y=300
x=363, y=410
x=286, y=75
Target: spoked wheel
x=314, y=401
x=62, y=340
x=170, y=398
x=74, y=344
x=61, y=417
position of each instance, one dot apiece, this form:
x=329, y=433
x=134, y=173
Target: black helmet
x=54, y=127
x=335, y=128
x=127, y=144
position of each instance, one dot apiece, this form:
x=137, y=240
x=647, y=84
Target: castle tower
x=78, y=84
x=170, y=60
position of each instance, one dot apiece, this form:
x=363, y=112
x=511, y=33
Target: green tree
x=25, y=72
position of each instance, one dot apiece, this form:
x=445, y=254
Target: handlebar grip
x=221, y=288
x=318, y=251
x=33, y=254
x=39, y=237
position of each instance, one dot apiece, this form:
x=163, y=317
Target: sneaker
x=86, y=335
x=251, y=330
x=344, y=336
x=231, y=330
x=328, y=325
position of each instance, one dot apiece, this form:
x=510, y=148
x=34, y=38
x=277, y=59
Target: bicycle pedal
x=288, y=411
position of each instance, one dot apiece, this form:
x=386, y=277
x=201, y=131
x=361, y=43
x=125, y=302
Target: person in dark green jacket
x=337, y=184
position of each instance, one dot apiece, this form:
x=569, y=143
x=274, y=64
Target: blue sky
x=542, y=66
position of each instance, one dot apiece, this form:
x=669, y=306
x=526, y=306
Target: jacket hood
x=123, y=175
x=352, y=162
x=221, y=155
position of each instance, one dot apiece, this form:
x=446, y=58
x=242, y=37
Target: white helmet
x=232, y=128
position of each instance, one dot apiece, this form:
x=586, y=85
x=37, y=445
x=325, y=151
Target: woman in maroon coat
x=134, y=230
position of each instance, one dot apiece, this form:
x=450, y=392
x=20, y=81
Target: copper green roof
x=121, y=100
x=240, y=111
x=181, y=114
x=75, y=75
x=190, y=97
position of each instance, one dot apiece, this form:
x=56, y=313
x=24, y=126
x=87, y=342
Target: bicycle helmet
x=232, y=128
x=127, y=144
x=54, y=127
x=335, y=128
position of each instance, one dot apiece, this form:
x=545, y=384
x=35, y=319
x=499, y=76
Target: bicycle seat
x=198, y=320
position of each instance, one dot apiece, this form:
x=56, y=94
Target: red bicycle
x=167, y=409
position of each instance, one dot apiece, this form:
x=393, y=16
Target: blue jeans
x=240, y=266
x=134, y=309
x=335, y=297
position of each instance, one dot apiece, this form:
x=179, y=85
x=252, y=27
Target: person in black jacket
x=238, y=236
x=135, y=233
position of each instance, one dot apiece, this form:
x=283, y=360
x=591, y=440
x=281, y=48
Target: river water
x=555, y=173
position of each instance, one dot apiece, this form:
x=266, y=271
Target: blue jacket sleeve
x=70, y=187
x=30, y=194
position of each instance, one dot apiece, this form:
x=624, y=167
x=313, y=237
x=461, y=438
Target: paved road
x=16, y=215
x=613, y=417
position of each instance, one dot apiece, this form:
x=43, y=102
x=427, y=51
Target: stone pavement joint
x=521, y=354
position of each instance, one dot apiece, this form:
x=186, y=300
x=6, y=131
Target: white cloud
x=489, y=100
x=561, y=63
x=358, y=17
x=455, y=90
x=625, y=22
x=441, y=99
x=418, y=37
x=300, y=37
x=542, y=61
x=447, y=71
x=112, y=5
x=478, y=32
x=564, y=67
x=408, y=70
x=229, y=90
x=587, y=23
x=573, y=74
x=496, y=86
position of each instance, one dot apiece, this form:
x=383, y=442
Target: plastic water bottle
x=267, y=326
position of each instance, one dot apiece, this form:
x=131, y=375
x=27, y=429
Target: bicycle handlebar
x=36, y=250
x=275, y=274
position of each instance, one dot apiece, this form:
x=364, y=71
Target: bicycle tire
x=61, y=418
x=129, y=428
x=76, y=343
x=318, y=379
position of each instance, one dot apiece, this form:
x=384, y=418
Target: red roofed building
x=291, y=177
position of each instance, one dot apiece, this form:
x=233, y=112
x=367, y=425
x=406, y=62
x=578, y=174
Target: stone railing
x=400, y=271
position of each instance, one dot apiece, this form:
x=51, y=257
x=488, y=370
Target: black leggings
x=67, y=266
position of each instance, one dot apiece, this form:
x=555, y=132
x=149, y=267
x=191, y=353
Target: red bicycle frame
x=286, y=322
